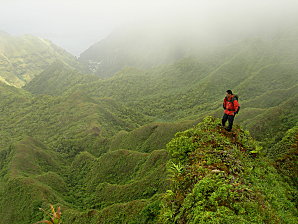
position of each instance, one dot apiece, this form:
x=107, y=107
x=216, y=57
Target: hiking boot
x=227, y=129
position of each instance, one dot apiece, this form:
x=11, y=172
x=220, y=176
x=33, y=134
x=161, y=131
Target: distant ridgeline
x=106, y=150
x=22, y=58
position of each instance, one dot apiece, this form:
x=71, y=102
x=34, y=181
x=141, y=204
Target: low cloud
x=76, y=24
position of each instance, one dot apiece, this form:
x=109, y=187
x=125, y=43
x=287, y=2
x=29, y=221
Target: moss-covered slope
x=221, y=177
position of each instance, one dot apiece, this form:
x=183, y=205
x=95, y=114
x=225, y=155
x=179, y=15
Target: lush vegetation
x=33, y=176
x=221, y=177
x=262, y=73
x=285, y=154
x=22, y=58
x=105, y=150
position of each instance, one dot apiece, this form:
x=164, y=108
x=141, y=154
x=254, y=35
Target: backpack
x=236, y=98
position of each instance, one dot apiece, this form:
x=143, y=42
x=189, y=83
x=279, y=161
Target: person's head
x=229, y=93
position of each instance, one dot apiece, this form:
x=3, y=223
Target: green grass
x=221, y=177
x=96, y=147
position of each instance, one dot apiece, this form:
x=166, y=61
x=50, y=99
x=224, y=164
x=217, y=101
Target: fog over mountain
x=75, y=25
x=129, y=129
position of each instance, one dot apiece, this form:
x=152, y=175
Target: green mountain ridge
x=86, y=182
x=68, y=124
x=106, y=150
x=146, y=46
x=217, y=179
x=56, y=79
x=250, y=68
x=23, y=58
x=156, y=95
x=148, y=137
x=135, y=46
x=127, y=186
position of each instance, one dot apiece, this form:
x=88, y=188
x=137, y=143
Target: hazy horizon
x=76, y=25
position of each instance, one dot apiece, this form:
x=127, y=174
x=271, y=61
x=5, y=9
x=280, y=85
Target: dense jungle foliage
x=146, y=145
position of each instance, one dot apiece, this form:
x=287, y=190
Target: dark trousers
x=229, y=118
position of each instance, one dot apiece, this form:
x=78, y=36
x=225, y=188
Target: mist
x=77, y=24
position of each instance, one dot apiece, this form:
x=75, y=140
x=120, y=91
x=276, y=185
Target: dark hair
x=229, y=91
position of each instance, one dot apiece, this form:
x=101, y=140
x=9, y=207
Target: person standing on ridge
x=231, y=108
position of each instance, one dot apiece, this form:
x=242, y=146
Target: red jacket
x=230, y=105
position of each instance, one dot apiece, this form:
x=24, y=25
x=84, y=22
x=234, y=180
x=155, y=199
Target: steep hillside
x=219, y=177
x=214, y=175
x=285, y=156
x=56, y=79
x=97, y=146
x=29, y=180
x=194, y=87
x=22, y=58
x=70, y=123
x=138, y=46
x=272, y=123
x=86, y=187
x=148, y=137
x=148, y=46
x=264, y=78
x=256, y=69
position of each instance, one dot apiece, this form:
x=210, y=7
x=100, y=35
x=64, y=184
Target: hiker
x=231, y=107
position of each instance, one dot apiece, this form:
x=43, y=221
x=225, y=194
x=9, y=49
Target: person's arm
x=224, y=103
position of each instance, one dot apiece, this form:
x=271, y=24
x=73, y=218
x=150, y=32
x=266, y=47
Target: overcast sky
x=77, y=24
